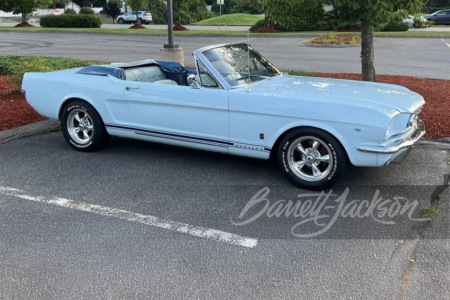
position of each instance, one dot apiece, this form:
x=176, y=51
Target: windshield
x=240, y=64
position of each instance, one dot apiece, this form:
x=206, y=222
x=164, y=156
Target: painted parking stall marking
x=197, y=231
x=448, y=45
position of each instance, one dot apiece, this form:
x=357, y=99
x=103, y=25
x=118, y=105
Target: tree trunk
x=24, y=18
x=367, y=52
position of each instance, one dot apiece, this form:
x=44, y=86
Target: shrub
x=158, y=9
x=295, y=14
x=27, y=65
x=9, y=62
x=187, y=12
x=257, y=25
x=263, y=23
x=417, y=22
x=394, y=26
x=69, y=11
x=432, y=9
x=57, y=4
x=86, y=11
x=71, y=21
x=324, y=25
x=15, y=66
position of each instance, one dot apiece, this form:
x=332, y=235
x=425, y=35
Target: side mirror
x=192, y=81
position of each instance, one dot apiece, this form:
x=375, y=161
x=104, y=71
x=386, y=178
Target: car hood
x=379, y=96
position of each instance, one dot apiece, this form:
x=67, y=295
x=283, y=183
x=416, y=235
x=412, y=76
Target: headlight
x=398, y=124
x=402, y=122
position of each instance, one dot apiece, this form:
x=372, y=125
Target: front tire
x=82, y=127
x=121, y=21
x=311, y=158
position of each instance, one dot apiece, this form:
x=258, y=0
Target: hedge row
x=324, y=25
x=432, y=9
x=393, y=26
x=333, y=24
x=71, y=21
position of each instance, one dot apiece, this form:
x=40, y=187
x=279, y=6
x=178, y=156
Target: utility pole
x=170, y=45
x=171, y=51
x=220, y=2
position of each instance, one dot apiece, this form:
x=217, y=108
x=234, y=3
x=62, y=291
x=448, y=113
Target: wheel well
x=76, y=99
x=273, y=152
x=65, y=103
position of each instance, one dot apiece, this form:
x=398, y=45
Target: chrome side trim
x=417, y=135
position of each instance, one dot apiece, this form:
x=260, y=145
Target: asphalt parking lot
x=147, y=221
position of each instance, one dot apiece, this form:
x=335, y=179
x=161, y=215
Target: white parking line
x=448, y=45
x=129, y=216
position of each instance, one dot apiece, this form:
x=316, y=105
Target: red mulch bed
x=24, y=25
x=15, y=111
x=436, y=112
x=179, y=27
x=342, y=37
x=138, y=26
x=267, y=30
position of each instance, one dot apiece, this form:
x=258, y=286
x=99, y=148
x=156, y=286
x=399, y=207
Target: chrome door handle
x=128, y=88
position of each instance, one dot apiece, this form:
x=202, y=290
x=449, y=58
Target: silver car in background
x=144, y=17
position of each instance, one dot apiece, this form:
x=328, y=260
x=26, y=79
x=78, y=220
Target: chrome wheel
x=310, y=158
x=80, y=126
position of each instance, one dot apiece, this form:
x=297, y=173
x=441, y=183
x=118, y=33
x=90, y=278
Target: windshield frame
x=202, y=53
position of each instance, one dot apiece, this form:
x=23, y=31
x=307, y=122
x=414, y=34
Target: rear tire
x=82, y=127
x=311, y=158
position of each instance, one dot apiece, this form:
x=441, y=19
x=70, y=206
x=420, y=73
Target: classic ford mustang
x=234, y=101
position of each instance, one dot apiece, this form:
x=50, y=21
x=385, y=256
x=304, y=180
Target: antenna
x=248, y=63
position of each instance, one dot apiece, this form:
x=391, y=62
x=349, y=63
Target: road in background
x=419, y=57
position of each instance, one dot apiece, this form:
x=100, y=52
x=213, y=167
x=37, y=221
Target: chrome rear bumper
x=399, y=149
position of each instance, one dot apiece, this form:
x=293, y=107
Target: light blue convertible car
x=236, y=102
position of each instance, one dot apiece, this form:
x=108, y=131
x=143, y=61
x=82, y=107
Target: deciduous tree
x=24, y=7
x=189, y=11
x=370, y=13
x=136, y=5
x=291, y=14
x=112, y=9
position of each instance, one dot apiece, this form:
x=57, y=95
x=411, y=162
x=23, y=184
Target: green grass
x=430, y=211
x=232, y=19
x=106, y=19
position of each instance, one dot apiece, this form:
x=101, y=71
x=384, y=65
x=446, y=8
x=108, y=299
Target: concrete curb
x=443, y=144
x=41, y=127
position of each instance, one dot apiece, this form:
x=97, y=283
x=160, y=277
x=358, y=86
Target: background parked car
x=416, y=21
x=130, y=17
x=441, y=17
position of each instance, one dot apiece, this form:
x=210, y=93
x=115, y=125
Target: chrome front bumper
x=399, y=149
